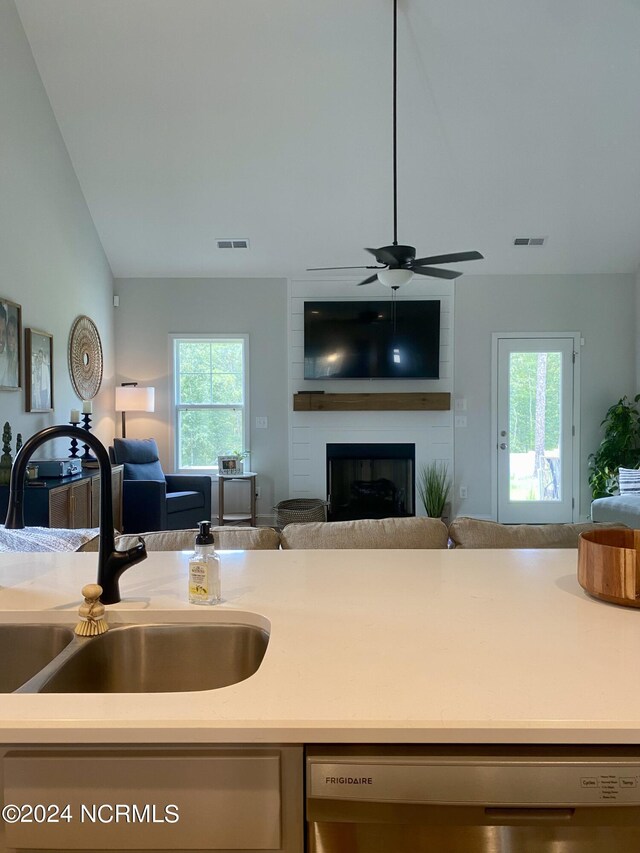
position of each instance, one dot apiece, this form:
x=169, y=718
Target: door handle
x=503, y=446
x=530, y=815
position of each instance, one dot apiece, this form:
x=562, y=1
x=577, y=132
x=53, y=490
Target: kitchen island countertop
x=454, y=646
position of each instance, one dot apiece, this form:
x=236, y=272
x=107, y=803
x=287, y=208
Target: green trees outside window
x=534, y=376
x=209, y=398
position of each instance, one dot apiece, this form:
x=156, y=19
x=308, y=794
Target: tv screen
x=372, y=340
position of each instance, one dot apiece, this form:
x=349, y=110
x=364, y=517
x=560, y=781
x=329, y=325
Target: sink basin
x=161, y=659
x=26, y=649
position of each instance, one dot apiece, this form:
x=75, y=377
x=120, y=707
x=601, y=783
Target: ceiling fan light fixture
x=395, y=277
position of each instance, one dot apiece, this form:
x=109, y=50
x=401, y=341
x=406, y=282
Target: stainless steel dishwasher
x=493, y=799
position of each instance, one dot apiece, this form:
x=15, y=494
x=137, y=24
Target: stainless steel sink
x=161, y=659
x=26, y=649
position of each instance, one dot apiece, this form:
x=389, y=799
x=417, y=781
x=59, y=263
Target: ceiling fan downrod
x=395, y=122
x=397, y=264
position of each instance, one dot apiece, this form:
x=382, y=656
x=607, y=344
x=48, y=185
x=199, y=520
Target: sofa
x=391, y=533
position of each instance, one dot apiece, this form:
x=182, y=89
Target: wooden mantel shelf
x=411, y=401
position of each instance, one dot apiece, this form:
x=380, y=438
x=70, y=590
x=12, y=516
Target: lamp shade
x=131, y=398
x=395, y=277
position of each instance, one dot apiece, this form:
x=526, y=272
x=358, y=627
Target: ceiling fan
x=397, y=264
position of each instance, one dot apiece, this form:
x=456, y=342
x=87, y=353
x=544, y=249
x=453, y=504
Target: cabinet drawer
x=218, y=800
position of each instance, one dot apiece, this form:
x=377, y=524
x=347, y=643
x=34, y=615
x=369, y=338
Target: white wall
x=51, y=260
x=601, y=307
x=152, y=309
x=431, y=432
x=637, y=341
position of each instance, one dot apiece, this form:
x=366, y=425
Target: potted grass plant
x=433, y=487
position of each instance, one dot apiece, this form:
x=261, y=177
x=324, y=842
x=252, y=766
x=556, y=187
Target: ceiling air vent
x=233, y=243
x=529, y=241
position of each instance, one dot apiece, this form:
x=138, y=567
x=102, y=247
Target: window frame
x=175, y=407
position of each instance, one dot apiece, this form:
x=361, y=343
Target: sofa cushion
x=182, y=501
x=246, y=538
x=366, y=533
x=146, y=471
x=619, y=509
x=474, y=533
x=136, y=450
x=140, y=458
x=225, y=538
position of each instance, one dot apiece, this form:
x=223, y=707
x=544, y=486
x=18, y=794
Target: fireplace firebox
x=370, y=481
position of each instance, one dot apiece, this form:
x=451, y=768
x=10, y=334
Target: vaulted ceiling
x=192, y=120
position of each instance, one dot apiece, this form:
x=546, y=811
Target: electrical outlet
x=463, y=492
x=460, y=421
x=262, y=423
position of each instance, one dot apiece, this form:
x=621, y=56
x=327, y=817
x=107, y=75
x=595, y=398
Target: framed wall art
x=10, y=337
x=38, y=355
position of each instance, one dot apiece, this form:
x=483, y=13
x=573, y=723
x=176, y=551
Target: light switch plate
x=460, y=421
x=262, y=423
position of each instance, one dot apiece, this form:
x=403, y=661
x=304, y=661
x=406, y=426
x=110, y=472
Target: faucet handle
x=91, y=612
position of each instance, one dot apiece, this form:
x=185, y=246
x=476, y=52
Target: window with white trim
x=209, y=395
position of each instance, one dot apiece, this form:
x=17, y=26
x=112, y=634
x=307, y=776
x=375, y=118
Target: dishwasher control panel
x=509, y=781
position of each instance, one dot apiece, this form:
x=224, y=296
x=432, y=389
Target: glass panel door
x=535, y=430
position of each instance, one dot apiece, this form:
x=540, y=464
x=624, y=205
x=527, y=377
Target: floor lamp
x=131, y=398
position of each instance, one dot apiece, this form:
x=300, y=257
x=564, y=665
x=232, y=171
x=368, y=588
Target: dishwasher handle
x=520, y=815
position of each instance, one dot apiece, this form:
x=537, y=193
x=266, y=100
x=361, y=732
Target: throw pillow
x=629, y=481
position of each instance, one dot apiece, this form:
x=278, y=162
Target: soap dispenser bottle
x=204, y=569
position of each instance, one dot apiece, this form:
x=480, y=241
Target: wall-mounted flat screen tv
x=372, y=340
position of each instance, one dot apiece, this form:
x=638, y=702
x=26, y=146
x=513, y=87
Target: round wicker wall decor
x=85, y=358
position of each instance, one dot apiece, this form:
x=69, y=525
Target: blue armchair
x=152, y=500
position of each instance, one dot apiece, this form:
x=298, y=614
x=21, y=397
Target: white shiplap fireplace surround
x=310, y=432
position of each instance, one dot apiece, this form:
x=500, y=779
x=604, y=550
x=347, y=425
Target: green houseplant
x=619, y=447
x=433, y=488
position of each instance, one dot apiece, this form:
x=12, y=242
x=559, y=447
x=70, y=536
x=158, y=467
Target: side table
x=237, y=517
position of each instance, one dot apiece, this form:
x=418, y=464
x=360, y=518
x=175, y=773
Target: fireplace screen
x=370, y=481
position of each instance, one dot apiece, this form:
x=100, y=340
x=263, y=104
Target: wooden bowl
x=609, y=564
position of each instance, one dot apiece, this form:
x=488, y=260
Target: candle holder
x=73, y=450
x=86, y=424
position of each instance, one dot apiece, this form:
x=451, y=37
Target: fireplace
x=370, y=481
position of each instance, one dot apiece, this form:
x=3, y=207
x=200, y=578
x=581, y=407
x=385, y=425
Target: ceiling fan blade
x=435, y=272
x=315, y=269
x=382, y=256
x=367, y=280
x=450, y=259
